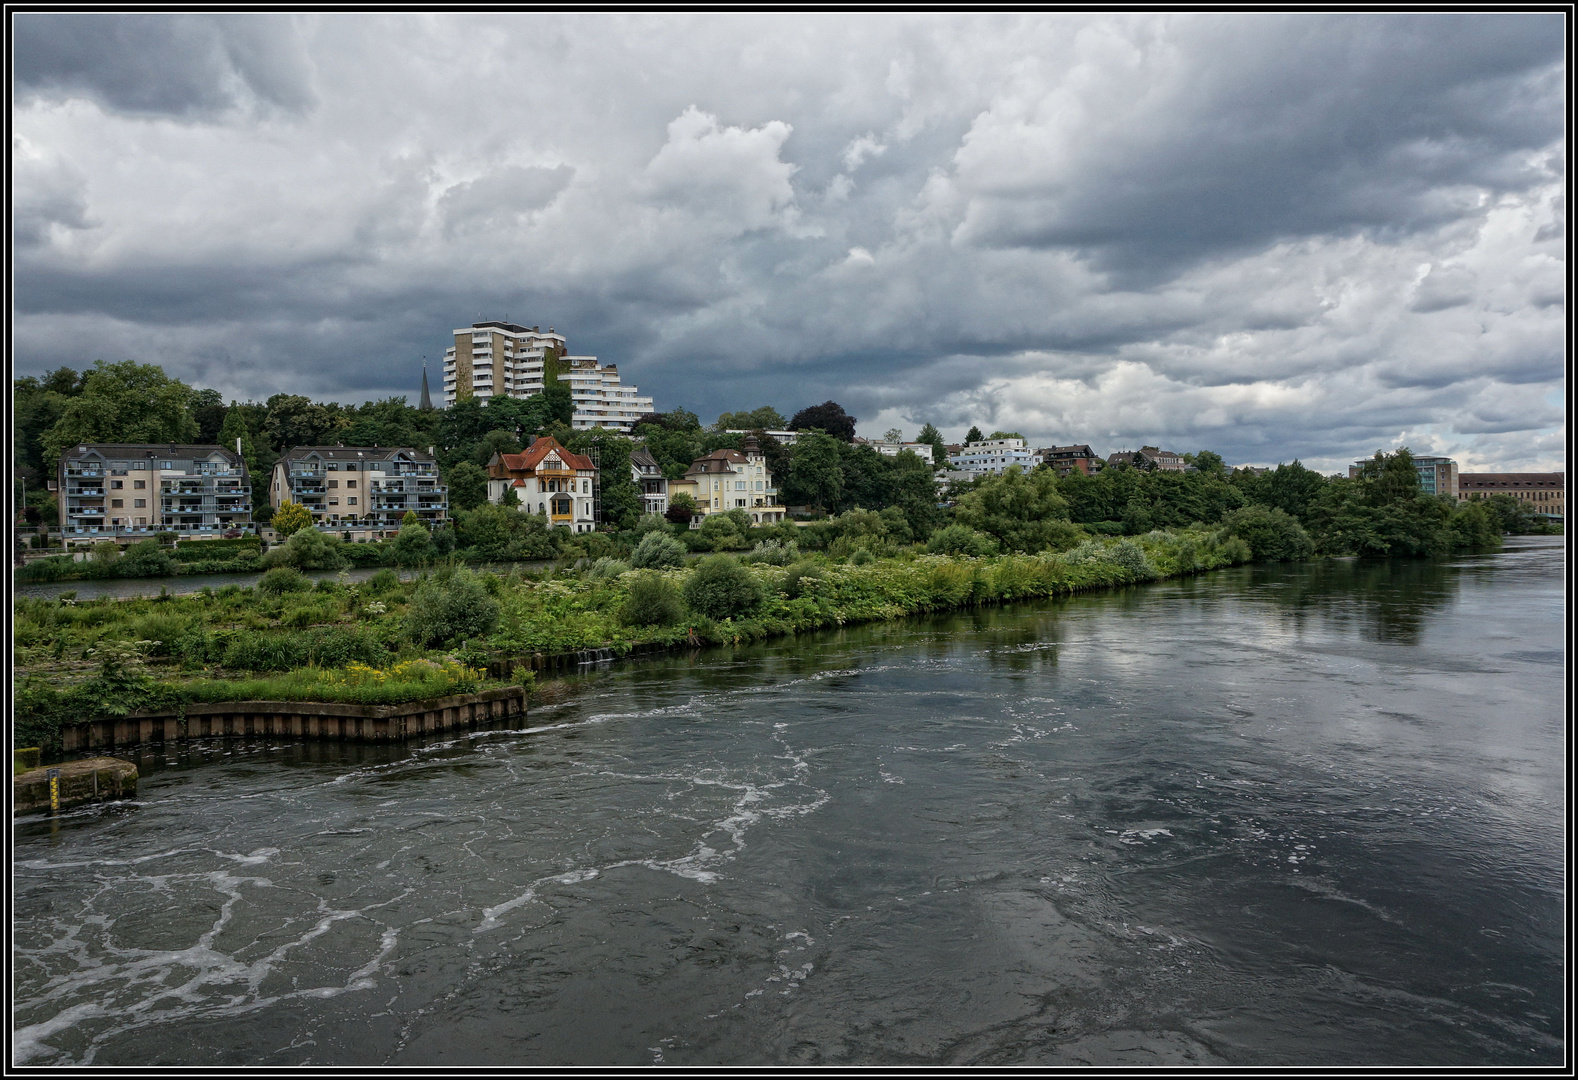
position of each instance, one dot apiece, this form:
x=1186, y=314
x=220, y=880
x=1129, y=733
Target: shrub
x=653, y=602
x=774, y=553
x=283, y=579
x=106, y=551
x=451, y=607
x=1272, y=535
x=657, y=550
x=861, y=556
x=384, y=581
x=960, y=540
x=722, y=532
x=413, y=546
x=1131, y=557
x=291, y=518
x=605, y=568
x=721, y=588
x=650, y=523
x=308, y=549
x=146, y=558
x=801, y=580
x=163, y=630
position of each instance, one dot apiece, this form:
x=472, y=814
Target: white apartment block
x=993, y=456
x=892, y=449
x=507, y=359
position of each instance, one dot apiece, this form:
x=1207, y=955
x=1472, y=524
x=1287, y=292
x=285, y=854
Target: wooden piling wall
x=297, y=720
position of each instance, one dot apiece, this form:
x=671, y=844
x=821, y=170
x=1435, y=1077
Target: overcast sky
x=1275, y=236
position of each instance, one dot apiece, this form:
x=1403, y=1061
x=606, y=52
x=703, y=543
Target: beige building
x=731, y=480
x=1545, y=493
x=506, y=359
x=362, y=490
x=120, y=488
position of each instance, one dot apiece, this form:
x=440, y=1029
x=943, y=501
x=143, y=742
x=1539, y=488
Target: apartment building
x=892, y=449
x=548, y=480
x=363, y=490
x=787, y=438
x=649, y=480
x=732, y=480
x=993, y=456
x=1437, y=475
x=116, y=488
x=1545, y=493
x=506, y=359
x=1064, y=460
x=1149, y=457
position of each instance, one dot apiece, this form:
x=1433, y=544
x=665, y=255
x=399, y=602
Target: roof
x=719, y=461
x=353, y=453
x=171, y=450
x=1509, y=479
x=641, y=456
x=528, y=459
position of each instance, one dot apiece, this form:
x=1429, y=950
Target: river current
x=1301, y=814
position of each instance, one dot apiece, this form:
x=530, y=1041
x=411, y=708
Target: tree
x=939, y=449
x=208, y=409
x=259, y=465
x=293, y=420
x=893, y=434
x=1272, y=535
x=765, y=418
x=290, y=518
x=621, y=500
x=1024, y=512
x=721, y=588
x=308, y=549
x=681, y=508
x=37, y=405
x=124, y=403
x=1207, y=462
x=829, y=417
x=1006, y=435
x=413, y=545
x=451, y=607
x=497, y=441
x=468, y=485
x=816, y=476
x=657, y=550
x=974, y=435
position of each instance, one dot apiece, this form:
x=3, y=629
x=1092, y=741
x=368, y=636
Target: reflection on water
x=1276, y=815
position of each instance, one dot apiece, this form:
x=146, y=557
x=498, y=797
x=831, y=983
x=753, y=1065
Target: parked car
x=232, y=534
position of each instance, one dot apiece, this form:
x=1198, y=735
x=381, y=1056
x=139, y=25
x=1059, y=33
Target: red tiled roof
x=530, y=458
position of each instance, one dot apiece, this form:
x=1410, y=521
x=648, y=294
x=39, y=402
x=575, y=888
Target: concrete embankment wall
x=299, y=720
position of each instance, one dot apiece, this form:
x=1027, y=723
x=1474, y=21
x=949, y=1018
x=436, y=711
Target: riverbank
x=78, y=662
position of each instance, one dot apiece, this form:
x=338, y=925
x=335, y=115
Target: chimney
x=238, y=446
x=430, y=452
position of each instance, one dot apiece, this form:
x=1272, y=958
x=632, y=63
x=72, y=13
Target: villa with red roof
x=548, y=480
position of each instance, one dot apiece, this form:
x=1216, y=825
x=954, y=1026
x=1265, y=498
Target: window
x=139, y=465
x=333, y=466
x=350, y=483
x=117, y=503
x=334, y=502
x=334, y=483
x=760, y=486
x=739, y=485
x=351, y=501
x=166, y=464
x=350, y=466
x=116, y=484
x=139, y=484
x=142, y=521
x=139, y=503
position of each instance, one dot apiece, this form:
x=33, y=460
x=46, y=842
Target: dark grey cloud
x=1279, y=236
x=187, y=66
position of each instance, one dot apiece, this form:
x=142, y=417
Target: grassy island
x=387, y=641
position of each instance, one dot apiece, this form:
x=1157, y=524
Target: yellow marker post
x=54, y=789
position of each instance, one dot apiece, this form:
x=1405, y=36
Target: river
x=1298, y=815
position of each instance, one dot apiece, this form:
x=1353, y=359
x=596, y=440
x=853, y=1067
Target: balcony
x=84, y=472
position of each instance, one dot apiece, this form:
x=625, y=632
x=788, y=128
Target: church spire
x=427, y=399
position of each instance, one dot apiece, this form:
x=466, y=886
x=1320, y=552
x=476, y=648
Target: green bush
x=451, y=607
x=653, y=602
x=283, y=579
x=657, y=550
x=606, y=568
x=412, y=547
x=308, y=549
x=382, y=582
x=802, y=580
x=1131, y=557
x=721, y=532
x=206, y=550
x=774, y=553
x=1272, y=535
x=721, y=588
x=960, y=540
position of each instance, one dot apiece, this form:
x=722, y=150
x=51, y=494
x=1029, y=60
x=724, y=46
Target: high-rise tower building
x=503, y=358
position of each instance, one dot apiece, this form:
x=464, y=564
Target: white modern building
x=893, y=449
x=495, y=358
x=786, y=438
x=993, y=456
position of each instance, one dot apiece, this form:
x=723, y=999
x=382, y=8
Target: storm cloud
x=1276, y=236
